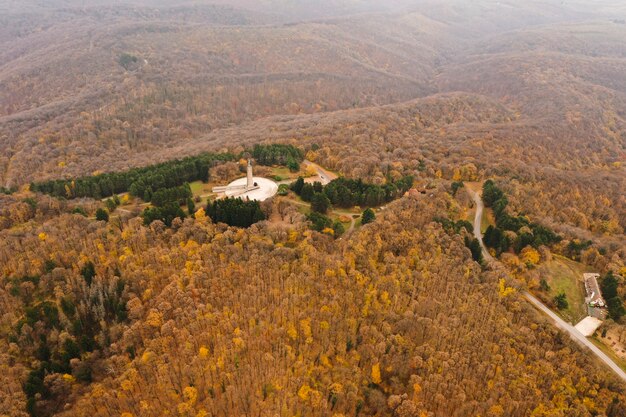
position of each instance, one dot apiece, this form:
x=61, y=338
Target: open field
x=609, y=352
x=612, y=341
x=284, y=173
x=200, y=188
x=350, y=218
x=341, y=218
x=565, y=275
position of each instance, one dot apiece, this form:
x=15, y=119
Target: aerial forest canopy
x=290, y=319
x=360, y=289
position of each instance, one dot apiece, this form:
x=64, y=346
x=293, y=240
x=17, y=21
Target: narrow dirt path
x=478, y=219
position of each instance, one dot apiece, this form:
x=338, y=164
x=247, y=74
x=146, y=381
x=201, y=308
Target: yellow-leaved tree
x=376, y=379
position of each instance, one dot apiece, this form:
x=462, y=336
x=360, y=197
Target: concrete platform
x=588, y=326
x=265, y=188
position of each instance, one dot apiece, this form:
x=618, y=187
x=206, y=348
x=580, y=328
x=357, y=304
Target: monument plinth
x=250, y=187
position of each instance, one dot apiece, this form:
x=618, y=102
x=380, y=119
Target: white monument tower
x=250, y=187
x=250, y=178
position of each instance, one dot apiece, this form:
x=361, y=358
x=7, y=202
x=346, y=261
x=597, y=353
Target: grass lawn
x=334, y=214
x=304, y=209
x=284, y=173
x=565, y=275
x=200, y=188
x=294, y=197
x=489, y=219
x=609, y=352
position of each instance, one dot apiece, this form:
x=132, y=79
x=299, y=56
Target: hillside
x=67, y=95
x=397, y=319
x=127, y=294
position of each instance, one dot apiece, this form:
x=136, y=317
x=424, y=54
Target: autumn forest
x=435, y=166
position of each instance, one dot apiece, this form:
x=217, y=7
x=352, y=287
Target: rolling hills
x=395, y=318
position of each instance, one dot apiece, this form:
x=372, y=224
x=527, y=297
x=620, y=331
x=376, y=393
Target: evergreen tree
x=278, y=154
x=297, y=186
x=111, y=206
x=616, y=308
x=338, y=228
x=609, y=285
x=615, y=305
x=293, y=165
x=561, y=301
x=307, y=192
x=319, y=222
x=88, y=272
x=140, y=182
x=166, y=214
x=344, y=192
x=191, y=206
x=368, y=216
x=102, y=215
x=491, y=193
x=79, y=210
x=283, y=189
x=320, y=203
x=235, y=212
x=474, y=247
x=456, y=186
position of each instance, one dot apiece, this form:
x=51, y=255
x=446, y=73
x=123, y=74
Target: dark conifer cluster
x=167, y=213
x=140, y=182
x=609, y=287
x=527, y=233
x=278, y=154
x=235, y=212
x=167, y=195
x=344, y=192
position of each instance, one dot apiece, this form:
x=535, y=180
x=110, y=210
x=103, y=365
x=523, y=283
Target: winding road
x=478, y=220
x=559, y=322
x=324, y=176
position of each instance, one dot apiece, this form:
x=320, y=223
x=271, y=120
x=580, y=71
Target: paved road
x=576, y=335
x=559, y=322
x=324, y=175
